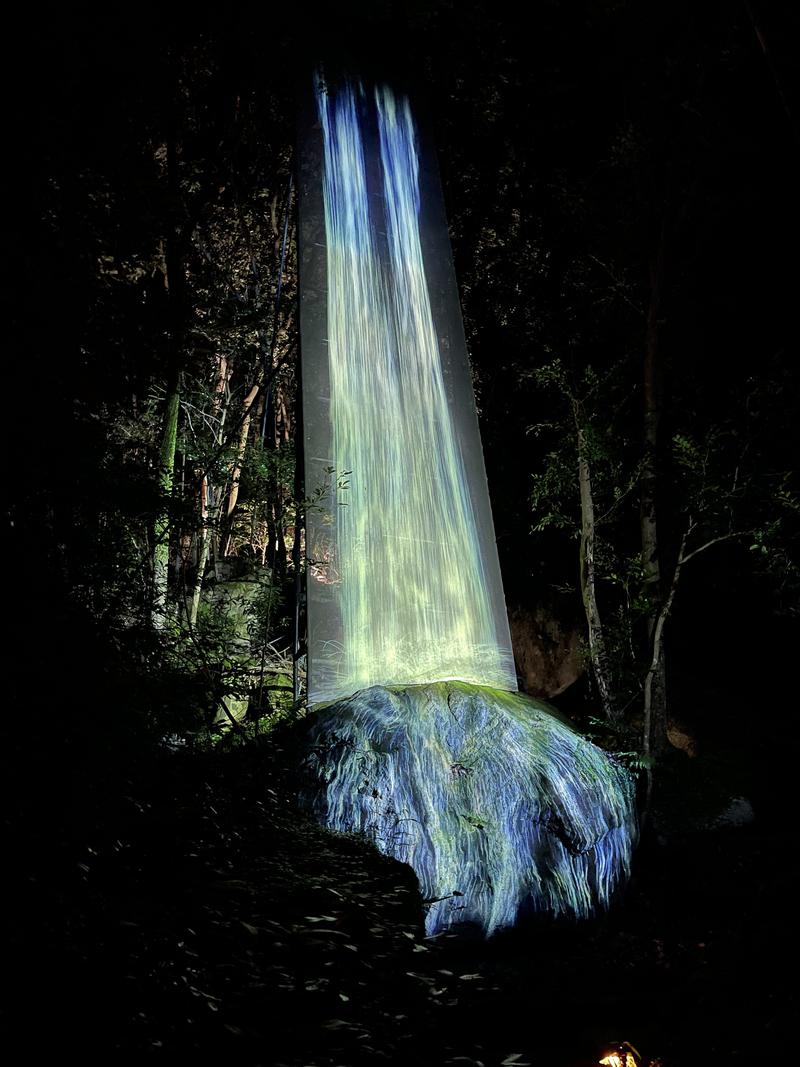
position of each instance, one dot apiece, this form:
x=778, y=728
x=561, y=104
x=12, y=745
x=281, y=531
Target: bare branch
x=619, y=284
x=715, y=541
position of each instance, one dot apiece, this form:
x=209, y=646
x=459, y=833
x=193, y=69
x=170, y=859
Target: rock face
x=547, y=651
x=500, y=807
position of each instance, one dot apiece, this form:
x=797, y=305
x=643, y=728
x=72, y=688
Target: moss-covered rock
x=498, y=805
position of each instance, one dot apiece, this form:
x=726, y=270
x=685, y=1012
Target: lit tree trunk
x=655, y=669
x=268, y=441
x=209, y=510
x=655, y=740
x=650, y=691
x=236, y=471
x=173, y=270
x=597, y=648
x=299, y=519
x=166, y=465
x=282, y=555
x=202, y=552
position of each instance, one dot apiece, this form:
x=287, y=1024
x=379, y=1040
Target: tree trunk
x=650, y=681
x=268, y=443
x=773, y=69
x=236, y=470
x=166, y=465
x=656, y=739
x=597, y=647
x=281, y=553
x=175, y=285
x=209, y=509
x=299, y=522
x=202, y=552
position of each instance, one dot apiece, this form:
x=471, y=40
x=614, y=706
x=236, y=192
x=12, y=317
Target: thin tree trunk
x=181, y=537
x=175, y=284
x=650, y=691
x=208, y=506
x=268, y=442
x=652, y=695
x=281, y=552
x=202, y=552
x=216, y=494
x=299, y=522
x=597, y=647
x=166, y=465
x=773, y=69
x=236, y=471
x=254, y=528
x=282, y=555
x=651, y=678
x=651, y=566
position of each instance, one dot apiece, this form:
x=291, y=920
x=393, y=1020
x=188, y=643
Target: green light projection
x=404, y=584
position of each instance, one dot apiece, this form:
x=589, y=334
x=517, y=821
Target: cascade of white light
x=407, y=563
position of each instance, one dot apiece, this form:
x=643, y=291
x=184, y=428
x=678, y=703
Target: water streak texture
x=406, y=560
x=498, y=806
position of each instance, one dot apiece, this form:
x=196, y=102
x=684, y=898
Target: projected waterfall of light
x=499, y=807
x=418, y=739
x=413, y=592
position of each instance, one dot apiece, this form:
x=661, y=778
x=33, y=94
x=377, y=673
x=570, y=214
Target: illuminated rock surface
x=499, y=807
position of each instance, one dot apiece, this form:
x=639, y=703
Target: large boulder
x=498, y=805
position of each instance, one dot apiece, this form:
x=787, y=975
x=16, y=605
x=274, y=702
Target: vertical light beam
x=404, y=583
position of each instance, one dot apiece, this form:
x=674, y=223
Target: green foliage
x=552, y=494
x=264, y=615
x=164, y=239
x=622, y=742
x=266, y=469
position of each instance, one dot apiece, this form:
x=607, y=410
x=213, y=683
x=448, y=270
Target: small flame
x=614, y=1059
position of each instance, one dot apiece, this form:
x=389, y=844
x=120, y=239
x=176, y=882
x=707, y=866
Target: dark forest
x=620, y=183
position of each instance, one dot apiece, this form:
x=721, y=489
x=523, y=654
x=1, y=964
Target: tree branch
x=714, y=541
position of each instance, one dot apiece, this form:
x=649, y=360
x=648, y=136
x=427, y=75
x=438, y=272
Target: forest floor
x=202, y=919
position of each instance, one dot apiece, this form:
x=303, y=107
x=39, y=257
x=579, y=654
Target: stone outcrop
x=499, y=806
